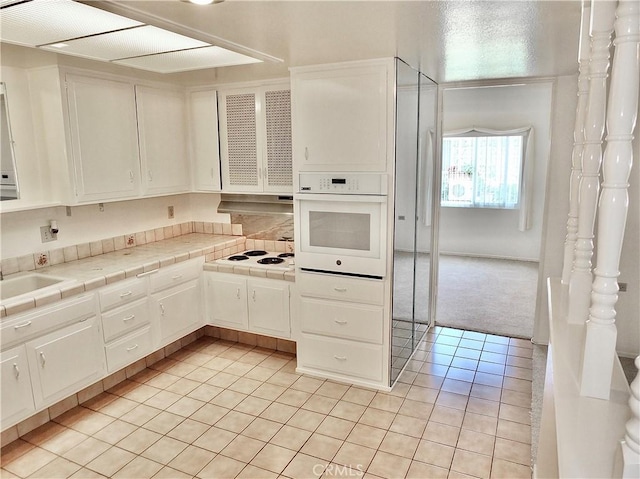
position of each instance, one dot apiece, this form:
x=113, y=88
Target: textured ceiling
x=447, y=40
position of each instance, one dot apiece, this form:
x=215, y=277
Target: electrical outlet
x=47, y=235
x=170, y=212
x=622, y=287
x=68, y=210
x=101, y=207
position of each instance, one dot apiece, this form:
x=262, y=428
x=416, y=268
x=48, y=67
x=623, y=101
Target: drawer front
x=368, y=291
x=341, y=320
x=25, y=326
x=122, y=292
x=346, y=358
x=122, y=320
x=176, y=274
x=129, y=349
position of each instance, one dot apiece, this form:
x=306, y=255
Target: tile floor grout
x=460, y=409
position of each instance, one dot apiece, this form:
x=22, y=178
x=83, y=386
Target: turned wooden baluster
x=600, y=342
x=631, y=443
x=602, y=19
x=578, y=143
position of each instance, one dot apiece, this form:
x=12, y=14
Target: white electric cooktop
x=261, y=259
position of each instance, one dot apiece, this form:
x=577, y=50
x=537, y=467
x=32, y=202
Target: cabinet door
x=178, y=310
x=205, y=152
x=343, y=116
x=17, y=400
x=103, y=137
x=269, y=307
x=163, y=140
x=277, y=147
x=239, y=155
x=64, y=361
x=226, y=299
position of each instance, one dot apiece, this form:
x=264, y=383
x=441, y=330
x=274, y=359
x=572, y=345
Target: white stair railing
x=600, y=341
x=602, y=21
x=584, y=50
x=631, y=443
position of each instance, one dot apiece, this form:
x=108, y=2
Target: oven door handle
x=340, y=198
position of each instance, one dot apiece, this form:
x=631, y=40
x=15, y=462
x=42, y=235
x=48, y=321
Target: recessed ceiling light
x=203, y=2
x=59, y=45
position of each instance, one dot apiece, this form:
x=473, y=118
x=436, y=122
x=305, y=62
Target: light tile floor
x=224, y=410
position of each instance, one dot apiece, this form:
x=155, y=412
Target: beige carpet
x=488, y=295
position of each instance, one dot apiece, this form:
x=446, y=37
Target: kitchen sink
x=23, y=283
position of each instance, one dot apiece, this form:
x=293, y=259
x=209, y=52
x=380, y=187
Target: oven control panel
x=344, y=183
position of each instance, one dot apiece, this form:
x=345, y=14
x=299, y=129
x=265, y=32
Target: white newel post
x=631, y=443
x=578, y=143
x=600, y=342
x=602, y=19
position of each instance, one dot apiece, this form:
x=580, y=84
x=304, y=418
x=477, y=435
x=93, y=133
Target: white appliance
x=260, y=259
x=341, y=223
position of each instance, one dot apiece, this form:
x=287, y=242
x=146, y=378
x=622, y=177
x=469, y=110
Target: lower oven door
x=343, y=234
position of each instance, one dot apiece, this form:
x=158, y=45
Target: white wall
x=494, y=232
x=20, y=232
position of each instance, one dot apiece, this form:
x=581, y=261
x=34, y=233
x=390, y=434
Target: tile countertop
x=96, y=271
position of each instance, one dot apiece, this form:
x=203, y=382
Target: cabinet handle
x=22, y=325
x=128, y=293
x=340, y=358
x=131, y=177
x=340, y=290
x=254, y=295
x=43, y=359
x=16, y=370
x=338, y=321
x=129, y=318
x=135, y=346
x=162, y=309
x=150, y=173
x=238, y=293
x=306, y=153
x=177, y=276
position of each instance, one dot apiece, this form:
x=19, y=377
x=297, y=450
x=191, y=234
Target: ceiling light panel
x=39, y=22
x=134, y=42
x=186, y=60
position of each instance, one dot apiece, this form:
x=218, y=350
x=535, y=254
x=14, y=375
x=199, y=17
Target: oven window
x=340, y=230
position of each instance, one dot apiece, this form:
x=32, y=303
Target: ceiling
x=448, y=40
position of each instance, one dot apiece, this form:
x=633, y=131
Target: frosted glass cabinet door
x=162, y=132
x=103, y=137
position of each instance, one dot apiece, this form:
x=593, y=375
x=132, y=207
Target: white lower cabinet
x=175, y=299
x=341, y=339
x=248, y=304
x=66, y=360
x=129, y=349
x=16, y=395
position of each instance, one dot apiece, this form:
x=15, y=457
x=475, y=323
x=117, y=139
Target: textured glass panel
x=278, y=116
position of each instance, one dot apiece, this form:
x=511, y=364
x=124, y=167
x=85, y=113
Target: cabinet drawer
x=346, y=358
x=122, y=320
x=129, y=349
x=177, y=274
x=341, y=320
x=25, y=326
x=368, y=291
x=122, y=293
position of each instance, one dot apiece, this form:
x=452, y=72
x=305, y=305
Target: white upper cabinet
x=162, y=132
x=343, y=116
x=203, y=135
x=104, y=144
x=255, y=139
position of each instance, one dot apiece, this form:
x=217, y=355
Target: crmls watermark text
x=338, y=471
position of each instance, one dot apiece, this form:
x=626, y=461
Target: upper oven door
x=342, y=233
